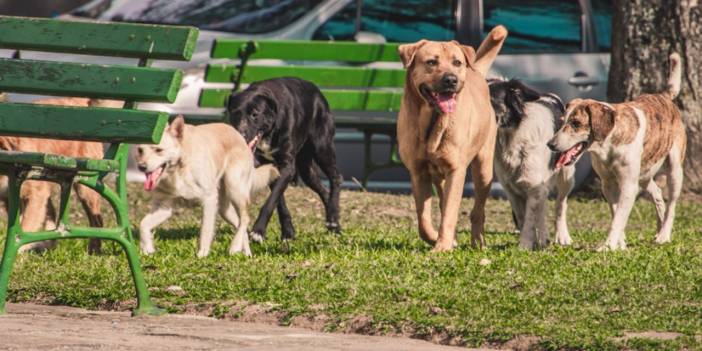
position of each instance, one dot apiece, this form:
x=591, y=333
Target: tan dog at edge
x=37, y=210
x=445, y=124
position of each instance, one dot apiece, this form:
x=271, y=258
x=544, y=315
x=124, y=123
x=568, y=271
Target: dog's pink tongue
x=446, y=102
x=151, y=179
x=567, y=156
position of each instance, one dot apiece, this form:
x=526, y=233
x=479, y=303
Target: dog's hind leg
x=287, y=172
x=227, y=211
x=240, y=243
x=325, y=157
x=565, y=179
x=90, y=200
x=207, y=225
x=675, y=182
x=160, y=212
x=35, y=195
x=310, y=175
x=654, y=194
x=287, y=229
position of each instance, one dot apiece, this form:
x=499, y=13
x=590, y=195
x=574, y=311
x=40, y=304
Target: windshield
x=238, y=16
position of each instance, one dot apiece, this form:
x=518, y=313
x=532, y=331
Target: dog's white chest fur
x=522, y=156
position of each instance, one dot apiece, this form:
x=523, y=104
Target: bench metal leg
x=11, y=244
x=119, y=203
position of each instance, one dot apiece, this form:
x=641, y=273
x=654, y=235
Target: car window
x=238, y=16
x=397, y=21
x=602, y=15
x=536, y=26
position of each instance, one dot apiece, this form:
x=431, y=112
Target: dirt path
x=35, y=327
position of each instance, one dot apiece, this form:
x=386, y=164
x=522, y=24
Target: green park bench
x=131, y=83
x=360, y=96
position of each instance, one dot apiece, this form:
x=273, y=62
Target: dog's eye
x=140, y=151
x=457, y=63
x=575, y=124
x=158, y=150
x=432, y=62
x=254, y=114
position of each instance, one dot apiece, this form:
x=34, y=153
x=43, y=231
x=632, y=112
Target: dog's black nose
x=449, y=80
x=142, y=168
x=551, y=145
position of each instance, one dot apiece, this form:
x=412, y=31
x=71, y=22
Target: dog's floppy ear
x=601, y=120
x=407, y=52
x=468, y=53
x=177, y=127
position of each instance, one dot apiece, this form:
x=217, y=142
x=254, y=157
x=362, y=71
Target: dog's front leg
x=535, y=233
x=287, y=171
x=564, y=184
x=160, y=212
x=421, y=189
x=622, y=209
x=453, y=191
x=207, y=226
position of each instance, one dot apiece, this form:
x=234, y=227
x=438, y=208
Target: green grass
x=379, y=278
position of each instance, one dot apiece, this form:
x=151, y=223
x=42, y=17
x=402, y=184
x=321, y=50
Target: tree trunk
x=644, y=34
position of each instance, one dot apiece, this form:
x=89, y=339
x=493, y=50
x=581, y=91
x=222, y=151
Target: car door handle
x=579, y=80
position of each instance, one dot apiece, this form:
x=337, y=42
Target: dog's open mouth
x=444, y=102
x=568, y=157
x=253, y=142
x=153, y=177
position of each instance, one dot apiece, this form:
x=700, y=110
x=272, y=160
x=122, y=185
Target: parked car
x=559, y=46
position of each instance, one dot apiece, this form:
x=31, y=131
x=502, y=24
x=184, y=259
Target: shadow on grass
x=185, y=233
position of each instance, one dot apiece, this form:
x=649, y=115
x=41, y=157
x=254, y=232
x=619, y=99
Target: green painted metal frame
x=384, y=94
x=65, y=171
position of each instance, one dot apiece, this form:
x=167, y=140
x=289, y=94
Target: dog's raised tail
x=674, y=75
x=489, y=48
x=263, y=176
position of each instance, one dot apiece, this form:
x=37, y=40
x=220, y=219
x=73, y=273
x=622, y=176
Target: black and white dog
x=287, y=122
x=524, y=165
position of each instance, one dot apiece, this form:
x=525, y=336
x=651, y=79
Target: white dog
x=210, y=163
x=524, y=165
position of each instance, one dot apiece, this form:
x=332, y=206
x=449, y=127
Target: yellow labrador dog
x=210, y=163
x=445, y=124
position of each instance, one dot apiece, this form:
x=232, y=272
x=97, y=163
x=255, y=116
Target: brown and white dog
x=445, y=124
x=630, y=143
x=37, y=210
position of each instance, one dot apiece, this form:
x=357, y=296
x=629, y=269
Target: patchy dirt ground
x=35, y=327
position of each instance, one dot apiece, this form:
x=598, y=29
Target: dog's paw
x=203, y=253
x=239, y=250
x=608, y=246
x=662, y=238
x=257, y=237
x=564, y=239
x=334, y=227
x=526, y=245
x=147, y=249
x=442, y=247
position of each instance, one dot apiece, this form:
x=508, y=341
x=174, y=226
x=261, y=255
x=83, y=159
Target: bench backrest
x=339, y=68
x=75, y=79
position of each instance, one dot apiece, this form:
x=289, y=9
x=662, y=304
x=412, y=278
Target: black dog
x=287, y=122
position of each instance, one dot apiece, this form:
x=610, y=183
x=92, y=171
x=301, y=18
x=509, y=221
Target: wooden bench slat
x=322, y=76
x=58, y=161
x=88, y=80
x=82, y=123
x=339, y=99
x=345, y=51
x=110, y=39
